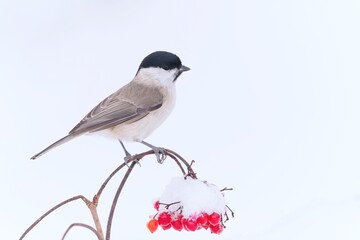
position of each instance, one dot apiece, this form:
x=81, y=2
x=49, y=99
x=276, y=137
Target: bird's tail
x=55, y=144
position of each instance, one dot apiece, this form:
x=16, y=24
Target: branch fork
x=92, y=205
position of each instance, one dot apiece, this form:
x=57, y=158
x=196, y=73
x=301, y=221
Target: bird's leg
x=127, y=154
x=159, y=152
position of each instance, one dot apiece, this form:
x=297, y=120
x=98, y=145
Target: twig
x=98, y=194
x=191, y=172
x=117, y=194
x=226, y=219
x=92, y=205
x=167, y=205
x=176, y=160
x=97, y=223
x=81, y=225
x=231, y=211
x=50, y=211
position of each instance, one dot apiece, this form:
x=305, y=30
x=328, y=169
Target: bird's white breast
x=139, y=130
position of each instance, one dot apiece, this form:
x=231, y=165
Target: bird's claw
x=128, y=157
x=160, y=154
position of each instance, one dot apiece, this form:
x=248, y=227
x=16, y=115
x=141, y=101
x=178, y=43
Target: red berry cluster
x=194, y=222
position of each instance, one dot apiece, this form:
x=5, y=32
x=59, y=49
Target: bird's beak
x=184, y=68
x=181, y=70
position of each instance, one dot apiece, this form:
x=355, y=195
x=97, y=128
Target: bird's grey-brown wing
x=131, y=103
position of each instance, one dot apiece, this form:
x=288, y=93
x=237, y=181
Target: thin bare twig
x=92, y=205
x=167, y=205
x=177, y=161
x=117, y=194
x=81, y=225
x=191, y=172
x=231, y=211
x=50, y=211
x=98, y=194
x=96, y=219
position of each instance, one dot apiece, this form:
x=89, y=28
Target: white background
x=270, y=108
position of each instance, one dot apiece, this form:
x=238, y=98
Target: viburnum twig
x=92, y=205
x=117, y=194
x=191, y=172
x=50, y=211
x=81, y=225
x=226, y=217
x=167, y=205
x=231, y=211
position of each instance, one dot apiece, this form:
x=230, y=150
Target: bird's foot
x=128, y=157
x=160, y=154
x=158, y=151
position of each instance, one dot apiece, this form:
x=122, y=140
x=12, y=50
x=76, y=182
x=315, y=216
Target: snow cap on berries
x=193, y=195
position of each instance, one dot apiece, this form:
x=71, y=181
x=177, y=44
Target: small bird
x=134, y=111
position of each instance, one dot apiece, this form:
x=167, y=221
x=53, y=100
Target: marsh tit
x=134, y=111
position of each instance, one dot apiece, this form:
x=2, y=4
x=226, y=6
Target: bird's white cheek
x=157, y=77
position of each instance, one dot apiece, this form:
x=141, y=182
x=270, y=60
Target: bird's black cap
x=161, y=59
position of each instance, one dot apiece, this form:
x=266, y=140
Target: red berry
x=164, y=219
x=152, y=225
x=202, y=219
x=157, y=205
x=214, y=218
x=165, y=227
x=190, y=224
x=205, y=226
x=177, y=223
x=217, y=229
